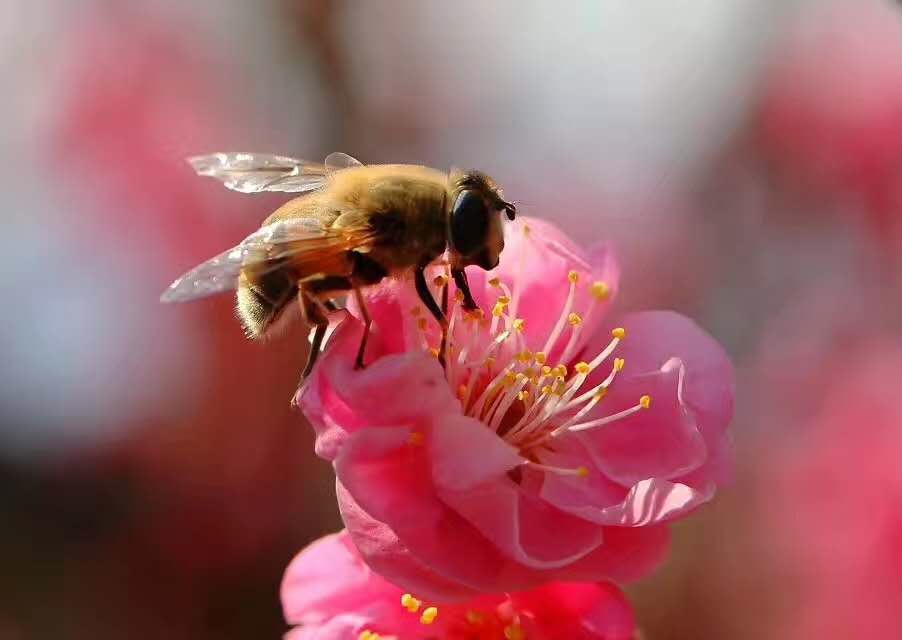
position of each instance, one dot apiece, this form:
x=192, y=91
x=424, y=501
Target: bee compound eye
x=469, y=223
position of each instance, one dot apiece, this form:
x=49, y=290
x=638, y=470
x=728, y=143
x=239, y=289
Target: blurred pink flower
x=332, y=595
x=831, y=504
x=537, y=455
x=831, y=115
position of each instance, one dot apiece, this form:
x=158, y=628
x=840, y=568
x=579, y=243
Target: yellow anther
x=582, y=472
x=540, y=357
x=525, y=356
x=619, y=333
x=416, y=438
x=600, y=290
x=498, y=310
x=477, y=314
x=575, y=319
x=573, y=277
x=600, y=394
x=505, y=300
x=522, y=396
x=509, y=378
x=560, y=371
x=429, y=615
x=366, y=634
x=462, y=391
x=546, y=370
x=440, y=281
x=619, y=363
x=546, y=390
x=494, y=282
x=529, y=372
x=410, y=603
x=459, y=295
x=422, y=323
x=416, y=311
x=474, y=617
x=434, y=352
x=520, y=376
x=519, y=324
x=582, y=368
x=514, y=632
x=645, y=402
x=526, y=229
x=558, y=388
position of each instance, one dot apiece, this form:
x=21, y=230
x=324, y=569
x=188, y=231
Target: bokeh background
x=744, y=155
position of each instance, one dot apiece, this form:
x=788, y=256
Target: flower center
x=512, y=387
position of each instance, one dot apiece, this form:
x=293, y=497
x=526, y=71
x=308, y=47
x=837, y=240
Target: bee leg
x=313, y=314
x=463, y=285
x=367, y=323
x=419, y=279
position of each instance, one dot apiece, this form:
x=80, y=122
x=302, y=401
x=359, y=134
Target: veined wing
x=256, y=172
x=297, y=238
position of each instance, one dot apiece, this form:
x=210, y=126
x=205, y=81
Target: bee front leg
x=463, y=285
x=426, y=296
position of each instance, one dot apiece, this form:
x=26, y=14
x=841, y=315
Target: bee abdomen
x=260, y=304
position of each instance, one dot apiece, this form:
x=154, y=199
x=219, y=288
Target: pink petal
x=659, y=442
x=653, y=337
x=388, y=481
x=464, y=453
x=597, y=499
x=323, y=580
x=525, y=528
x=338, y=399
x=628, y=553
x=579, y=611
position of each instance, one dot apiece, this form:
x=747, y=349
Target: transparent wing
x=256, y=172
x=282, y=239
x=338, y=160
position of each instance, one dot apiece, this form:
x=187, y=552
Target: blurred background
x=745, y=156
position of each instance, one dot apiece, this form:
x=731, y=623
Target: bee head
x=475, y=234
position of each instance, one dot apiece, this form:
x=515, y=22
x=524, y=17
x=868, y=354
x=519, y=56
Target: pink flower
x=831, y=503
x=831, y=113
x=555, y=445
x=332, y=595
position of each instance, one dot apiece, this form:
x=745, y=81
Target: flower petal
x=659, y=442
x=525, y=528
x=464, y=453
x=323, y=580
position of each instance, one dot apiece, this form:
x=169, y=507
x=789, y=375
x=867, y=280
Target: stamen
x=410, y=603
x=366, y=634
x=429, y=615
x=573, y=278
x=475, y=618
x=617, y=335
x=600, y=290
x=644, y=403
x=579, y=472
x=514, y=632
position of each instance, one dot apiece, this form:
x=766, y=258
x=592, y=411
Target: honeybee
x=355, y=225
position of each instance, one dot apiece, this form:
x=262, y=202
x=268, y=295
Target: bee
x=354, y=226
